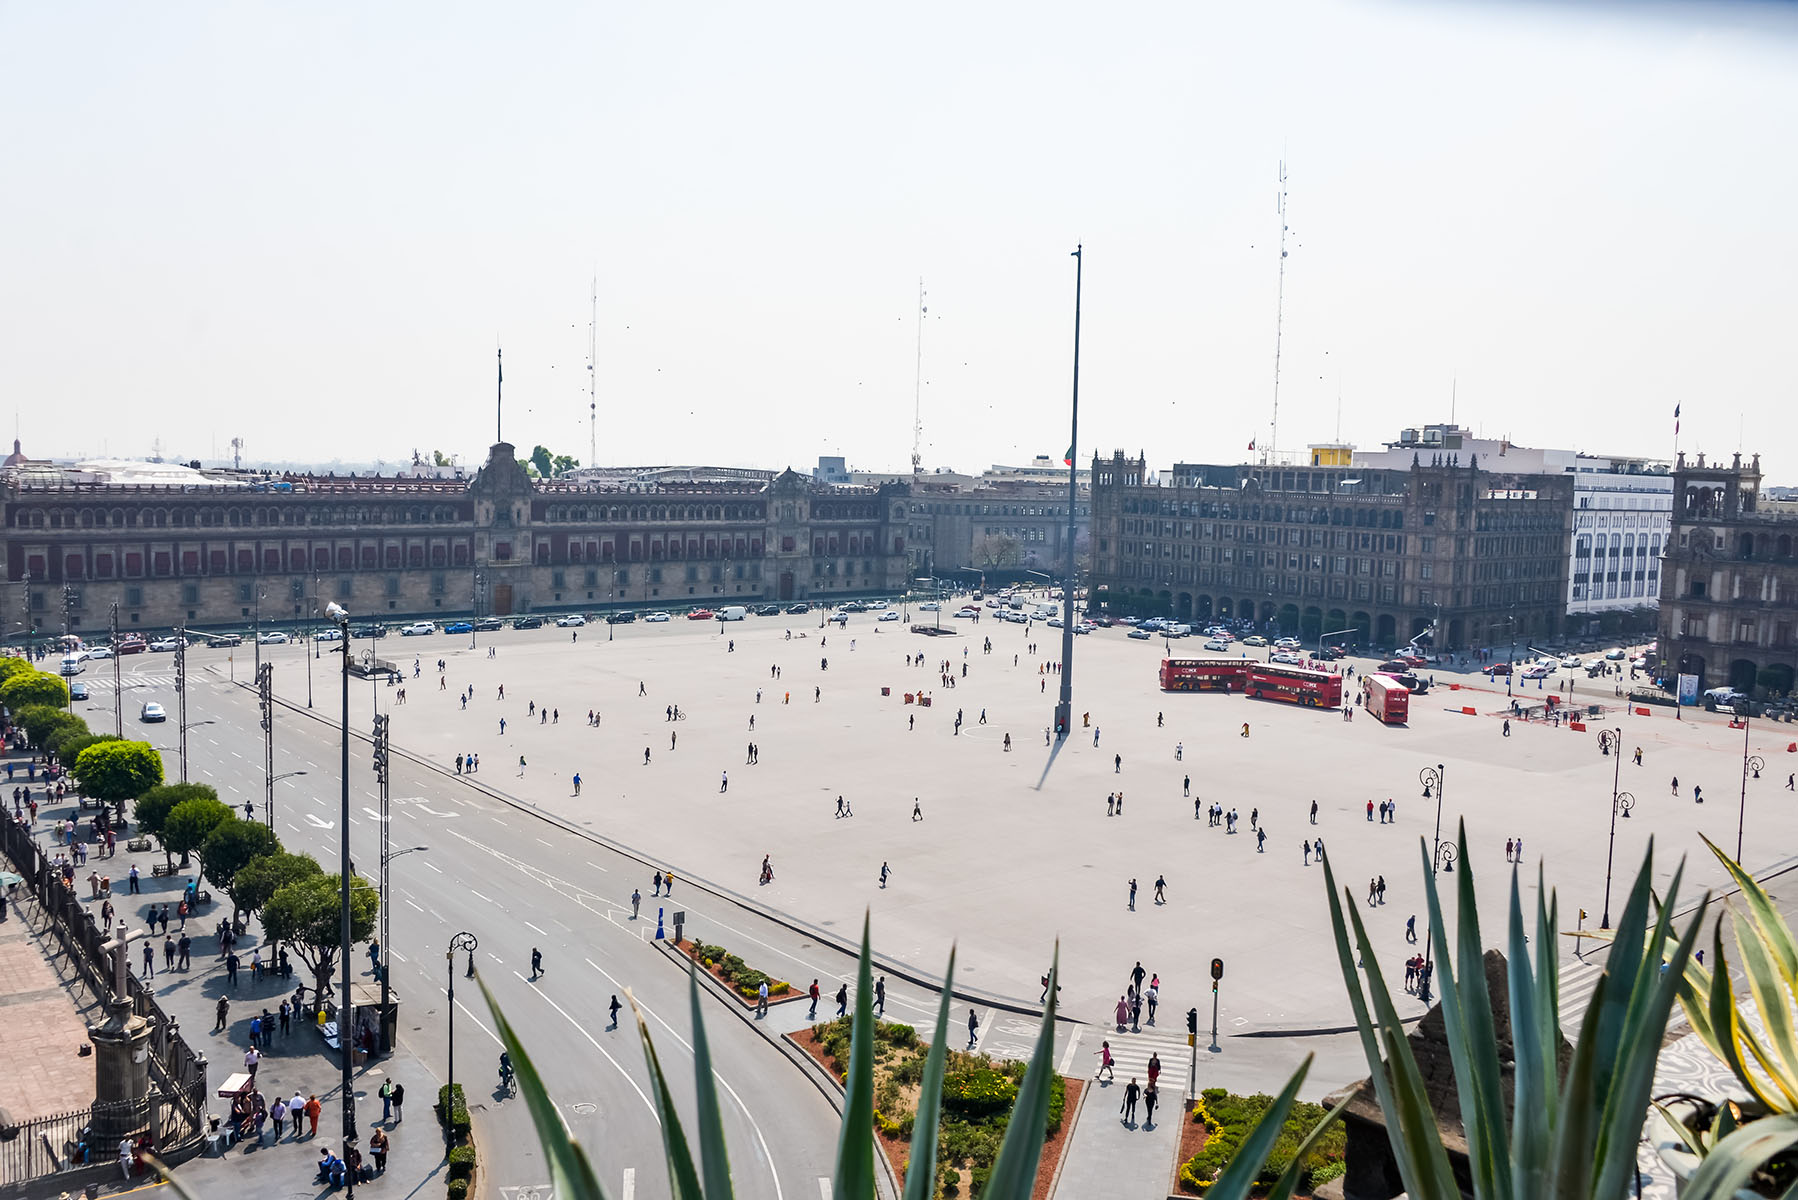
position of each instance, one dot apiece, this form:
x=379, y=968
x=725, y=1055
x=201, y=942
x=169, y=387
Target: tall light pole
x=1064, y=706
x=1442, y=858
x=181, y=693
x=462, y=941
x=345, y=1006
x=1610, y=741
x=265, y=693
x=118, y=703
x=1752, y=764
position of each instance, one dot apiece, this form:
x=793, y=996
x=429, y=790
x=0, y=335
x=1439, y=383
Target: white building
x=1623, y=508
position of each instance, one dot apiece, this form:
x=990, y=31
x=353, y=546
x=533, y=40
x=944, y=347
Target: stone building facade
x=1468, y=555
x=225, y=553
x=1729, y=584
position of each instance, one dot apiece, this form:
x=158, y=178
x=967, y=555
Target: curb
x=815, y=933
x=1086, y=1093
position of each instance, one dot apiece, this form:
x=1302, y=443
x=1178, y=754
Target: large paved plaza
x=1015, y=851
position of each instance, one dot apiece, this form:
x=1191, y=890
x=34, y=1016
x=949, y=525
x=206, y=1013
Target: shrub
x=1231, y=1118
x=453, y=1113
x=978, y=1092
x=458, y=1189
x=461, y=1162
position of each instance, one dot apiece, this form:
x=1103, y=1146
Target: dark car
x=368, y=631
x=527, y=622
x=801, y=607
x=78, y=690
x=488, y=624
x=620, y=618
x=1330, y=653
x=768, y=610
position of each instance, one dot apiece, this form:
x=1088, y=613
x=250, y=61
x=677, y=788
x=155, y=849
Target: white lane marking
x=630, y=1183
x=1067, y=1058
x=235, y=754
x=478, y=896
x=595, y=866
x=725, y=1083
x=318, y=823
x=470, y=1015
x=434, y=867
x=544, y=932
x=427, y=809
x=291, y=826
x=397, y=955
x=409, y=901
x=541, y=842
x=582, y=1030
x=823, y=1187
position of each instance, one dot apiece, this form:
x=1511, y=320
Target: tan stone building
x=223, y=549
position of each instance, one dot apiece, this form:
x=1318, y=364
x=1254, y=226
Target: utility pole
x=265, y=694
x=180, y=692
x=1064, y=706
x=69, y=597
x=382, y=775
x=118, y=703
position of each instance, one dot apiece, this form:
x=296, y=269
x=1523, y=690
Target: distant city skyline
x=312, y=230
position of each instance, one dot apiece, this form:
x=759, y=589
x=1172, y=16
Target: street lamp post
x=1064, y=706
x=462, y=941
x=1752, y=764
x=270, y=821
x=1442, y=858
x=1610, y=741
x=345, y=1005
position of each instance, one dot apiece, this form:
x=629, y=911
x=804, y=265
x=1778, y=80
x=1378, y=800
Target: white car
x=888, y=615
x=1536, y=672
x=1572, y=662
x=100, y=652
x=1216, y=644
x=153, y=712
x=1289, y=657
x=328, y=634
x=1288, y=643
x=929, y=606
x=1254, y=639
x=417, y=629
x=164, y=645
x=1639, y=663
x=572, y=619
x=967, y=612
x=657, y=618
x=1616, y=655
x=273, y=639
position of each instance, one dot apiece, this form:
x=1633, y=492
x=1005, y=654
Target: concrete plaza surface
x=1015, y=851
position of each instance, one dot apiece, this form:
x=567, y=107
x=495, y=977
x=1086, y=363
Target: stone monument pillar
x=121, y=1059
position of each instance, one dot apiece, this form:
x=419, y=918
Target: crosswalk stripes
x=1130, y=1053
x=1578, y=982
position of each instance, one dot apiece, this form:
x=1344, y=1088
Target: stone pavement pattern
x=41, y=1031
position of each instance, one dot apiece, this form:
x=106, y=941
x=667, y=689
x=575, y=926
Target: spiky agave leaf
x=854, y=1176
x=920, y=1175
x=1014, y=1171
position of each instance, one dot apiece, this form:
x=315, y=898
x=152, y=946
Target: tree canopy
x=34, y=687
x=37, y=720
x=548, y=465
x=307, y=915
x=10, y=666
x=154, y=806
x=71, y=749
x=118, y=771
x=229, y=847
x=185, y=829
x=65, y=729
x=262, y=877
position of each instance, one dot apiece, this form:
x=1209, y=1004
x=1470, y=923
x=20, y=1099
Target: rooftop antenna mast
x=917, y=401
x=237, y=454
x=593, y=379
x=1273, y=433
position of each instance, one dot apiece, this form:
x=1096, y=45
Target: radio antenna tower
x=1273, y=433
x=593, y=379
x=917, y=399
x=237, y=454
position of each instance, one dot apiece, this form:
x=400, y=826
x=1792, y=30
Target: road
x=516, y=883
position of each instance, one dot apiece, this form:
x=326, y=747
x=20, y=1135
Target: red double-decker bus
x=1205, y=674
x=1386, y=698
x=1300, y=685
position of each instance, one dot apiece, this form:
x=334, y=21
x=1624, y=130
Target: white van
x=732, y=612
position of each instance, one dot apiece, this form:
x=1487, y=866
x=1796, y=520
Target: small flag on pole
x=1251, y=444
x=1676, y=418
x=1068, y=458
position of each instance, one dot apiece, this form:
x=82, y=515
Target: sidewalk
x=300, y=1061
x=1105, y=1157
x=43, y=1031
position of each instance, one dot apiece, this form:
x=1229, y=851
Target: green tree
x=228, y=848
x=71, y=749
x=306, y=915
x=10, y=666
x=564, y=464
x=35, y=687
x=439, y=459
x=67, y=727
x=262, y=877
x=184, y=830
x=37, y=720
x=115, y=772
x=154, y=806
x=544, y=461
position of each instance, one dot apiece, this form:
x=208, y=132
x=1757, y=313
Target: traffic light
x=1192, y=1021
x=1217, y=969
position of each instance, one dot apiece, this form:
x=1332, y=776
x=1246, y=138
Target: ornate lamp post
x=1752, y=764
x=462, y=941
x=1442, y=857
x=1610, y=741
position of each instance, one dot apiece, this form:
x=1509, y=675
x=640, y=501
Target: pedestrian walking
x=613, y=1008
x=636, y=901
x=1117, y=764
x=1105, y=1063
x=724, y=782
x=1131, y=1091
x=843, y=1000
x=277, y=1113
x=880, y=996
x=812, y=993
x=917, y=810
x=536, y=962
x=1149, y=1096
x=973, y=1028
x=657, y=881
x=1314, y=812
x=883, y=875
x=761, y=1000
x=1133, y=895
x=1161, y=889
x=399, y=1106
x=223, y=1011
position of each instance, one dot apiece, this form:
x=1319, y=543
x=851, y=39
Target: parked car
x=888, y=615
x=131, y=643
x=929, y=606
x=152, y=712
x=1616, y=655
x=1503, y=668
x=570, y=621
x=1101, y=621
x=99, y=652
x=228, y=640
x=1330, y=653
x=459, y=627
x=1538, y=671
x=801, y=607
x=1572, y=662
x=1411, y=659
x=1639, y=663
x=700, y=614
x=840, y=619
x=621, y=618
x=368, y=631
x=1140, y=634
x=418, y=629
x=273, y=638
x=78, y=690
x=967, y=611
x=1254, y=639
x=768, y=610
x=527, y=622
x=1288, y=643
x=488, y=624
x=1214, y=644
x=167, y=644
x=657, y=618
x=328, y=634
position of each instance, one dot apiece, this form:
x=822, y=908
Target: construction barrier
x=1577, y=726
x=1471, y=712
x=1643, y=712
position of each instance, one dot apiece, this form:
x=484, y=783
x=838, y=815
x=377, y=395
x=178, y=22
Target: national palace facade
x=235, y=548
x=1369, y=556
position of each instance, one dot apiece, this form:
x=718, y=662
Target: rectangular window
x=345, y=587
x=393, y=585
x=558, y=579
x=190, y=593
x=439, y=584
x=134, y=597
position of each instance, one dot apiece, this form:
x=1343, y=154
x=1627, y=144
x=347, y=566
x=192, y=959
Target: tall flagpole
x=1064, y=707
x=499, y=395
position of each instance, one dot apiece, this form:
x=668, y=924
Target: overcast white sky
x=308, y=226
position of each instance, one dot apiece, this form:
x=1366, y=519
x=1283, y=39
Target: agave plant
x=1573, y=1138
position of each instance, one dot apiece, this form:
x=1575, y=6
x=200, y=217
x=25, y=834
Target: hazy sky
x=309, y=225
